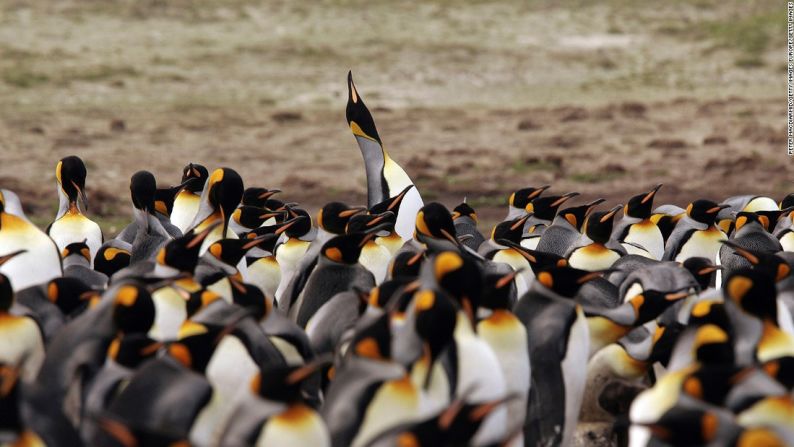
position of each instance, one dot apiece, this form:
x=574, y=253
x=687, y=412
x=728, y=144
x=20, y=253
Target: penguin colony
x=229, y=316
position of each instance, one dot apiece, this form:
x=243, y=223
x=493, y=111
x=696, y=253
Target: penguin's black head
x=769, y=263
x=787, y=201
x=345, y=249
x=258, y=197
x=769, y=218
x=358, y=117
x=225, y=192
x=511, y=230
x=142, y=189
x=110, y=260
x=713, y=345
x=565, y=281
x=702, y=270
x=464, y=210
x=198, y=299
x=435, y=221
x=371, y=223
x=164, y=198
x=651, y=303
x=685, y=426
x=710, y=312
x=390, y=290
x=182, y=253
x=499, y=291
x=406, y=264
x=546, y=207
x=641, y=205
x=524, y=196
x=131, y=350
x=70, y=173
x=744, y=218
x=598, y=225
x=334, y=216
x=230, y=251
x=71, y=295
x=195, y=171
x=300, y=225
x=250, y=297
x=133, y=309
x=436, y=316
x=576, y=215
x=461, y=278
x=704, y=211
x=2, y=202
x=253, y=217
x=754, y=291
x=392, y=204
x=77, y=248
x=374, y=340
x=196, y=345
x=283, y=383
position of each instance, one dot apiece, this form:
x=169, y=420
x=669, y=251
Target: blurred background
x=474, y=99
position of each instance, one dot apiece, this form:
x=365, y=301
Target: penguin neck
x=374, y=164
x=76, y=260
x=65, y=205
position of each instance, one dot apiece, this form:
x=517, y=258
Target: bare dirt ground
x=473, y=100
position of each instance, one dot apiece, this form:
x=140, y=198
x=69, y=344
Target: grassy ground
x=473, y=99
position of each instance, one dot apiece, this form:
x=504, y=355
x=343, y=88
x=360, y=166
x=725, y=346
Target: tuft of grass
x=750, y=36
x=521, y=167
x=595, y=177
x=24, y=78
x=101, y=73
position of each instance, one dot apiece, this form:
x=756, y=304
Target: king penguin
x=636, y=226
x=41, y=260
x=70, y=224
x=221, y=194
x=596, y=250
x=186, y=202
x=385, y=178
x=696, y=234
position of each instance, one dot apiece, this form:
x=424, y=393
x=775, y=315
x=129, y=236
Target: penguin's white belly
x=223, y=288
x=40, y=263
x=436, y=397
x=511, y=257
x=507, y=337
x=265, y=273
x=592, y=257
x=787, y=241
x=375, y=258
x=21, y=345
x=288, y=255
x=170, y=311
x=298, y=425
x=702, y=243
x=574, y=373
x=480, y=372
x=649, y=236
x=395, y=402
x=75, y=227
x=393, y=242
x=229, y=384
x=186, y=205
x=409, y=208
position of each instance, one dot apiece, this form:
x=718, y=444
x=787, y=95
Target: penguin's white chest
x=186, y=205
x=395, y=402
x=647, y=235
x=574, y=372
x=592, y=257
x=702, y=243
x=375, y=258
x=170, y=312
x=21, y=344
x=40, y=263
x=265, y=274
x=298, y=425
x=787, y=241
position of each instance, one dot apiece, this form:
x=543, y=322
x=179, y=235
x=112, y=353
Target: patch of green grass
x=751, y=36
x=595, y=177
x=521, y=167
x=22, y=77
x=101, y=73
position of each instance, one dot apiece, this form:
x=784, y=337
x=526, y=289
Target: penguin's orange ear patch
x=546, y=279
x=334, y=254
x=738, y=286
x=368, y=347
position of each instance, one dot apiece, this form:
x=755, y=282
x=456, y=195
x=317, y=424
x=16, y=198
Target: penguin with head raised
x=40, y=261
x=637, y=228
x=542, y=210
x=70, y=224
x=187, y=201
x=385, y=178
x=696, y=234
